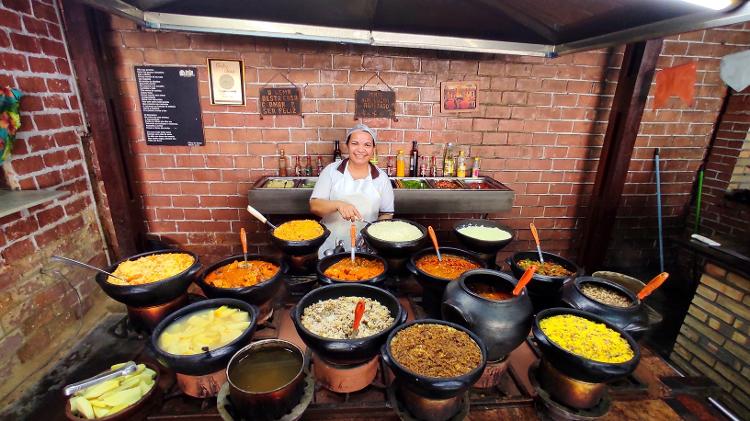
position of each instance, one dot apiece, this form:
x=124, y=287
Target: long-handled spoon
x=243, y=240
x=359, y=311
x=129, y=368
x=525, y=279
x=260, y=216
x=652, y=285
x=536, y=239
x=353, y=235
x=69, y=261
x=433, y=237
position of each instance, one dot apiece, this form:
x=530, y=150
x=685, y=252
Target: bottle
x=374, y=159
x=309, y=168
x=434, y=167
x=400, y=164
x=389, y=167
x=423, y=166
x=475, y=168
x=461, y=165
x=448, y=167
x=297, y=167
x=320, y=165
x=413, y=160
x=282, y=164
x=336, y=151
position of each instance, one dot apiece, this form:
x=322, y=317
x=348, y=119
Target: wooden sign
x=374, y=104
x=280, y=101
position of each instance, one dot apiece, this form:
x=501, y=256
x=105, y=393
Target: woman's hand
x=348, y=211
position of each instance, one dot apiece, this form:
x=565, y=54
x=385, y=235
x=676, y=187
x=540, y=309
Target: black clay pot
x=633, y=319
x=482, y=246
x=391, y=249
x=257, y=294
x=544, y=291
x=153, y=293
x=502, y=325
x=301, y=248
x=326, y=262
x=347, y=351
x=433, y=387
x=576, y=366
x=209, y=361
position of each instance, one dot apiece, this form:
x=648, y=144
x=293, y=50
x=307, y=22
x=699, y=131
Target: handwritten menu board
x=279, y=101
x=374, y=104
x=170, y=105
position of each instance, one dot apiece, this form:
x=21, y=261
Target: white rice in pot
x=485, y=233
x=394, y=231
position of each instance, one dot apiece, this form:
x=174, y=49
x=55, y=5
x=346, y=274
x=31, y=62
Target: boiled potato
x=212, y=328
x=112, y=396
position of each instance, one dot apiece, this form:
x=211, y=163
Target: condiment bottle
x=400, y=164
x=423, y=167
x=336, y=151
x=297, y=167
x=308, y=167
x=448, y=163
x=320, y=165
x=282, y=164
x=461, y=167
x=374, y=159
x=434, y=167
x=389, y=167
x=413, y=160
x=475, y=168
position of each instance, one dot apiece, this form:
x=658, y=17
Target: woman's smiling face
x=361, y=147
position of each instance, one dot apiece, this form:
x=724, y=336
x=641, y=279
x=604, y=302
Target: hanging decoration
x=377, y=104
x=10, y=120
x=675, y=81
x=280, y=101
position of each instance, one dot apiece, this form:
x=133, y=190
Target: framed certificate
x=227, y=82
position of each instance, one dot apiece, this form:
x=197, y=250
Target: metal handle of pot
x=129, y=368
x=411, y=268
x=467, y=320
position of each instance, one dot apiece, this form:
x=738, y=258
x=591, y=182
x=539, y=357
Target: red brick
x=18, y=250
x=10, y=19
x=25, y=43
x=71, y=119
x=52, y=48
x=27, y=165
x=139, y=39
x=21, y=228
x=35, y=26
x=55, y=158
x=58, y=85
x=12, y=61
x=44, y=11
x=48, y=179
x=31, y=84
x=42, y=65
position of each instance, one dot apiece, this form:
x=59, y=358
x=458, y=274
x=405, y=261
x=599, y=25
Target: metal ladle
x=73, y=262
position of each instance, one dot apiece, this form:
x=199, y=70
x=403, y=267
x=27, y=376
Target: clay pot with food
x=544, y=290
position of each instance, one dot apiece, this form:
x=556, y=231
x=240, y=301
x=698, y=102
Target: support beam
x=636, y=74
x=122, y=217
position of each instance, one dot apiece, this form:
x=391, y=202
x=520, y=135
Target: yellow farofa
x=152, y=268
x=590, y=340
x=298, y=230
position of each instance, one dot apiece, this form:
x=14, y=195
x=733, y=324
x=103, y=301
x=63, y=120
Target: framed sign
x=170, y=105
x=458, y=97
x=280, y=101
x=227, y=82
x=374, y=104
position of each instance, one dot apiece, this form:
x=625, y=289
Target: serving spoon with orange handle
x=525, y=279
x=243, y=240
x=535, y=234
x=433, y=237
x=652, y=285
x=353, y=235
x=359, y=311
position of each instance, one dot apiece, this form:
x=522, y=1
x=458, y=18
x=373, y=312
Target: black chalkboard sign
x=279, y=101
x=374, y=104
x=170, y=105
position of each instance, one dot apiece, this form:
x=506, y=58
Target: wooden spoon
x=353, y=235
x=433, y=237
x=525, y=279
x=359, y=311
x=652, y=285
x=243, y=240
x=260, y=216
x=536, y=239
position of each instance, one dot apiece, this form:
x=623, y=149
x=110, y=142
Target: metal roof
x=525, y=27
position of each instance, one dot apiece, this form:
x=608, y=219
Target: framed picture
x=227, y=82
x=458, y=97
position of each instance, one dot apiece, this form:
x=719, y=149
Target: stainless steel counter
x=285, y=201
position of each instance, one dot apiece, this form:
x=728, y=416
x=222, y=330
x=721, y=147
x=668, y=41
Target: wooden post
x=122, y=217
x=634, y=81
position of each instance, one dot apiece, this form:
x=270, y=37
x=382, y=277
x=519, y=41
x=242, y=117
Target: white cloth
x=369, y=195
x=735, y=70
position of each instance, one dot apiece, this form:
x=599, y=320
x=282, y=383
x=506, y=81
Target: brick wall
x=38, y=310
x=539, y=130
x=714, y=340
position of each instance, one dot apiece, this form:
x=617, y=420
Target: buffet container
x=326, y=262
x=301, y=248
x=347, y=351
x=152, y=293
x=208, y=361
x=482, y=246
x=632, y=319
x=258, y=294
x=395, y=249
x=544, y=291
x=273, y=404
x=502, y=325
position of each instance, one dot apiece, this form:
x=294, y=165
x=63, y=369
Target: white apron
x=360, y=193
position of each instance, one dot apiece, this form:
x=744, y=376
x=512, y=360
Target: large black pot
x=578, y=367
x=153, y=293
x=482, y=246
x=433, y=387
x=301, y=248
x=328, y=261
x=347, y=351
x=391, y=249
x=502, y=325
x=632, y=319
x=257, y=294
x=544, y=291
x=209, y=361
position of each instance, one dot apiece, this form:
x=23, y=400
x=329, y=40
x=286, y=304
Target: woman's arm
x=323, y=207
x=386, y=215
